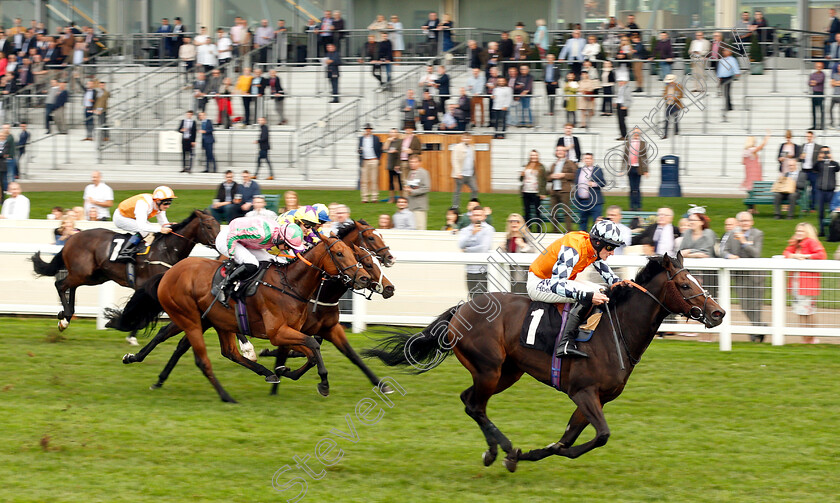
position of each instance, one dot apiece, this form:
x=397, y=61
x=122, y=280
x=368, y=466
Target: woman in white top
x=207, y=56
x=396, y=36
x=79, y=51
x=592, y=49
x=533, y=189
x=541, y=38
x=502, y=99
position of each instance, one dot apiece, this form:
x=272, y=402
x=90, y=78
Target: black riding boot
x=127, y=253
x=242, y=271
x=568, y=345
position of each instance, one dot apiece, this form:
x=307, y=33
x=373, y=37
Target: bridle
x=375, y=285
x=694, y=312
x=341, y=275
x=364, y=245
x=202, y=229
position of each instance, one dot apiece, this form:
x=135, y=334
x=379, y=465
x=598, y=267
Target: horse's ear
x=666, y=261
x=679, y=258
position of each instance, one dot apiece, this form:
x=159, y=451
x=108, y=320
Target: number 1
x=536, y=316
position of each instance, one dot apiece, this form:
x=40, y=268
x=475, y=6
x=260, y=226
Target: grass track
x=695, y=424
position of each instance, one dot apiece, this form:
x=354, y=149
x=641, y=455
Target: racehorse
x=484, y=334
x=276, y=312
x=87, y=258
x=364, y=235
x=321, y=320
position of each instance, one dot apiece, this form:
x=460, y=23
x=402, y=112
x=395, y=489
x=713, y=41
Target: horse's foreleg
x=180, y=350
x=68, y=303
x=281, y=355
x=589, y=404
x=475, y=400
x=311, y=349
x=165, y=333
x=229, y=351
x=337, y=336
x=577, y=423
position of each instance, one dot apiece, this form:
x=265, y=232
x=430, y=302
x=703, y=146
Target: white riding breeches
x=540, y=289
x=242, y=255
x=130, y=224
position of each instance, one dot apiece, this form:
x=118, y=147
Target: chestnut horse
x=276, y=312
x=87, y=260
x=321, y=320
x=484, y=334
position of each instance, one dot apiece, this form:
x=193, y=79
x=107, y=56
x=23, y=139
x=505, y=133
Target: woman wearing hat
x=673, y=98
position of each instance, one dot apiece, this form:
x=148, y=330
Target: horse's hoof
x=512, y=459
x=128, y=358
x=228, y=399
x=385, y=389
x=273, y=379
x=324, y=389
x=489, y=457
x=63, y=324
x=157, y=385
x=281, y=370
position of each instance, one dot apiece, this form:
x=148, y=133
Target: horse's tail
x=142, y=310
x=47, y=268
x=424, y=350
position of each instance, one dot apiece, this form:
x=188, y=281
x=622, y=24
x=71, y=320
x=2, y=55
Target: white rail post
x=725, y=301
x=106, y=299
x=778, y=306
x=359, y=313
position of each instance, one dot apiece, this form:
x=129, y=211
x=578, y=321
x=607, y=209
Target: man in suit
x=809, y=155
x=586, y=192
x=22, y=141
x=58, y=108
x=442, y=85
x=622, y=102
x=179, y=29
x=200, y=91
x=167, y=43
x=264, y=145
x=742, y=240
x=428, y=111
x=551, y=72
x=207, y=141
x=370, y=151
x=333, y=62
x=225, y=206
x=636, y=164
x=88, y=101
x=561, y=175
x=187, y=128
x=49, y=103
x=100, y=107
x=571, y=143
x=409, y=146
x=463, y=169
x=275, y=90
x=573, y=52
x=520, y=49
x=660, y=237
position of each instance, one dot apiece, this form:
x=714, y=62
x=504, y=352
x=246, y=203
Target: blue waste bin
x=670, y=185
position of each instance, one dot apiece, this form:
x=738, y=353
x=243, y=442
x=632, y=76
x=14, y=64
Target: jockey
x=246, y=240
x=551, y=278
x=307, y=218
x=323, y=213
x=133, y=215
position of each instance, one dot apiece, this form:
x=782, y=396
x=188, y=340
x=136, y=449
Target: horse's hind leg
x=589, y=404
x=180, y=350
x=475, y=399
x=68, y=303
x=165, y=333
x=229, y=351
x=281, y=355
x=203, y=363
x=577, y=423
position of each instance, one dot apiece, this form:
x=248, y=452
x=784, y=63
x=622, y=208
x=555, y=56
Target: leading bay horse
x=276, y=311
x=484, y=334
x=87, y=258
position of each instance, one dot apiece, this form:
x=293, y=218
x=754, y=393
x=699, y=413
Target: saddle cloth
x=544, y=324
x=120, y=241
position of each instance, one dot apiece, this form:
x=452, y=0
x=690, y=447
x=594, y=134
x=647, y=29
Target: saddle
x=120, y=241
x=544, y=324
x=244, y=288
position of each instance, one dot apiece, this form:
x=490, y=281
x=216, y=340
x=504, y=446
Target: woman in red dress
x=805, y=285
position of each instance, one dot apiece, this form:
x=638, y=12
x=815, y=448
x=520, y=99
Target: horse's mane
x=183, y=223
x=652, y=269
x=363, y=222
x=344, y=229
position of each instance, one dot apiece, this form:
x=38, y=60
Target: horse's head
x=337, y=259
x=380, y=284
x=685, y=295
x=371, y=239
x=199, y=227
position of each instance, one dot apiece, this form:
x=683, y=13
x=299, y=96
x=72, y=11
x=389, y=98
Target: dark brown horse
x=87, y=258
x=321, y=320
x=276, y=312
x=484, y=334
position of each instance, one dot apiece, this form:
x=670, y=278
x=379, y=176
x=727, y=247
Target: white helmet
x=605, y=232
x=163, y=192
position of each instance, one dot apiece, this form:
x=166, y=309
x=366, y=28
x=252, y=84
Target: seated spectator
x=258, y=209
x=225, y=207
x=684, y=228
x=449, y=122
x=98, y=197
x=66, y=229
x=57, y=213
x=451, y=224
x=290, y=202
x=404, y=219
x=804, y=245
x=248, y=188
x=700, y=241
x=385, y=222
x=92, y=215
x=16, y=206
x=659, y=238
x=518, y=242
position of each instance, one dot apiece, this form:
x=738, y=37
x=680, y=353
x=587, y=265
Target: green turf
x=757, y=424
x=777, y=232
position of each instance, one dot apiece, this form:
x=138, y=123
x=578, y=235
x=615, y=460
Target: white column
x=726, y=12
x=106, y=299
x=725, y=301
x=778, y=306
x=359, y=313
